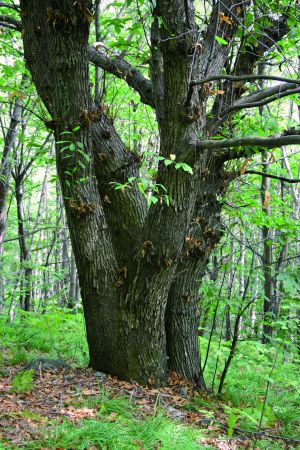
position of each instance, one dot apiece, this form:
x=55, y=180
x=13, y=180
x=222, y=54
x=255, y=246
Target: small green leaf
x=184, y=167
x=66, y=147
x=220, y=40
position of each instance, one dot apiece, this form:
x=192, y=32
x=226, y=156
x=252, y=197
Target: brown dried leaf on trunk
x=244, y=166
x=224, y=19
x=217, y=91
x=267, y=200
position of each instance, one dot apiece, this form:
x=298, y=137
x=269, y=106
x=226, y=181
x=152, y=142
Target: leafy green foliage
x=245, y=386
x=19, y=356
x=58, y=335
x=23, y=381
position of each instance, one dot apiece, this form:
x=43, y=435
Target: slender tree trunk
x=6, y=166
x=25, y=259
x=267, y=235
x=228, y=324
x=5, y=173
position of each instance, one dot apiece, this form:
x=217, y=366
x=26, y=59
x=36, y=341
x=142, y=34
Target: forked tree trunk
x=139, y=270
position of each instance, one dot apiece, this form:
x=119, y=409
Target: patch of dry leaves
x=57, y=395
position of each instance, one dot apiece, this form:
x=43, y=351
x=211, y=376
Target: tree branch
x=116, y=66
x=272, y=30
x=10, y=22
x=261, y=94
x=243, y=78
x=255, y=100
x=275, y=177
x=214, y=55
x=122, y=69
x=249, y=141
x=10, y=6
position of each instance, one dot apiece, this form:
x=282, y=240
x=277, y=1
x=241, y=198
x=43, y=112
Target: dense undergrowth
x=256, y=370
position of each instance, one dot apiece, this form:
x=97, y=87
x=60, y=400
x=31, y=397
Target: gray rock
x=51, y=365
x=100, y=374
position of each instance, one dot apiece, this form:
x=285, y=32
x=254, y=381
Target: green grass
x=63, y=335
x=59, y=335
x=118, y=425
x=155, y=431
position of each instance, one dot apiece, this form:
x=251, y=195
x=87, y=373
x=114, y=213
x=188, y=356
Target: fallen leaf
x=79, y=413
x=89, y=392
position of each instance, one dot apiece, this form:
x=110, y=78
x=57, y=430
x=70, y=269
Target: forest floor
x=79, y=395
x=77, y=408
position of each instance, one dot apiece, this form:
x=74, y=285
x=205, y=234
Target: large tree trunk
x=126, y=262
x=139, y=270
x=182, y=318
x=55, y=44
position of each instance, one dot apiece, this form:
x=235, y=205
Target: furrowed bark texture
x=203, y=231
x=55, y=44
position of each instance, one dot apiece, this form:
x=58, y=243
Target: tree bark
x=73, y=280
x=55, y=44
x=126, y=271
